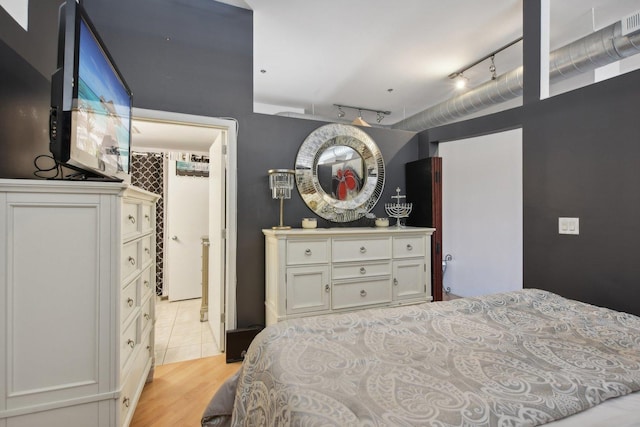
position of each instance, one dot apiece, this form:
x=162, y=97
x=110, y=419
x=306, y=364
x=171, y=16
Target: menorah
x=398, y=210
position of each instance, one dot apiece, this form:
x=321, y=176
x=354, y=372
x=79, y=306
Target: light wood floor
x=180, y=392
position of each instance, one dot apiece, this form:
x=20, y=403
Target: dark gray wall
x=580, y=159
x=27, y=60
x=205, y=68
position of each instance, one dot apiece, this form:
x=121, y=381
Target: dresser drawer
x=345, y=250
x=128, y=341
x=147, y=282
x=360, y=270
x=130, y=219
x=353, y=294
x=128, y=301
x=132, y=383
x=408, y=246
x=130, y=262
x=146, y=218
x=147, y=250
x=307, y=251
x=146, y=315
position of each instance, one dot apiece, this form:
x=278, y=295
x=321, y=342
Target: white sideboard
x=77, y=283
x=326, y=270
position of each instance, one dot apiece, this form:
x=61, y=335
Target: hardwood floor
x=180, y=392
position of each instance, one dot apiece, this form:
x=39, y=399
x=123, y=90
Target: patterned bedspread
x=522, y=358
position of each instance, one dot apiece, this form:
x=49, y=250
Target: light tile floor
x=179, y=333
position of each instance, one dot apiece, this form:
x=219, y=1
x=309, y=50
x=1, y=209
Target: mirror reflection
x=341, y=172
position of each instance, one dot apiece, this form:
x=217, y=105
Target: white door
x=187, y=207
x=482, y=213
x=217, y=238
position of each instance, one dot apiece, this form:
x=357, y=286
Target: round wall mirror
x=339, y=172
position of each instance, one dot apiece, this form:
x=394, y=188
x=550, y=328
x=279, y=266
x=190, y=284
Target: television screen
x=90, y=102
x=101, y=116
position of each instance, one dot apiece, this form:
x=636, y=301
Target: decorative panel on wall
x=147, y=172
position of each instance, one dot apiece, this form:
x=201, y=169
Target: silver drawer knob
x=409, y=247
x=146, y=216
x=132, y=260
x=147, y=250
x=395, y=282
x=326, y=288
x=146, y=283
x=363, y=293
x=146, y=316
x=131, y=342
x=132, y=219
x=363, y=270
x=363, y=249
x=307, y=252
x=126, y=402
x=129, y=302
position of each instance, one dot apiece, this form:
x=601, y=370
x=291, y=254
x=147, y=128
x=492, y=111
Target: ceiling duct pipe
x=588, y=53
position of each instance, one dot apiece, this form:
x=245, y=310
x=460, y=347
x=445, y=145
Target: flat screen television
x=90, y=120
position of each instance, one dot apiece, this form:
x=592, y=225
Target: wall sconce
x=281, y=184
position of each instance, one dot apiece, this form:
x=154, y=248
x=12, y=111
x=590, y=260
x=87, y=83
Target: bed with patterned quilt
x=522, y=358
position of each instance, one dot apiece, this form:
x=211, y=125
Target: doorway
x=482, y=213
x=176, y=132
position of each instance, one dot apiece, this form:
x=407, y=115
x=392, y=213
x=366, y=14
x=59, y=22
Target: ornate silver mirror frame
x=350, y=166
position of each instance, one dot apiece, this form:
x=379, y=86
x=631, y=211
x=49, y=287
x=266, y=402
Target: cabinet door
x=308, y=289
x=409, y=279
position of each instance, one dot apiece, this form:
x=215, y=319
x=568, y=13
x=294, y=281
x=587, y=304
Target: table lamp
x=281, y=184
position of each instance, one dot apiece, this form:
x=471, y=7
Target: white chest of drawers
x=319, y=271
x=76, y=296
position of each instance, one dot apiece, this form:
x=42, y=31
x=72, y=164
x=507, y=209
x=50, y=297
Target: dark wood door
x=424, y=189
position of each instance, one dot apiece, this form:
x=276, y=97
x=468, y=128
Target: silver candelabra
x=398, y=210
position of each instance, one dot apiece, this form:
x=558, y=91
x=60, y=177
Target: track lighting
x=359, y=121
x=492, y=68
x=461, y=80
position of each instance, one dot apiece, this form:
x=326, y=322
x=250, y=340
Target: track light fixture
x=492, y=68
x=461, y=80
x=380, y=114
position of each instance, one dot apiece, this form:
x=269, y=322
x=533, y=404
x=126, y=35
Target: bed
x=521, y=358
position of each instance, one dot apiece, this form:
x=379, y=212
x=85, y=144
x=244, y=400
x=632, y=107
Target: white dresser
x=325, y=270
x=77, y=302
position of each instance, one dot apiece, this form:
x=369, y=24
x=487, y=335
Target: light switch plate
x=569, y=226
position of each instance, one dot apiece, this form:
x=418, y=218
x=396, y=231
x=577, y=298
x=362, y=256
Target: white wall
x=482, y=213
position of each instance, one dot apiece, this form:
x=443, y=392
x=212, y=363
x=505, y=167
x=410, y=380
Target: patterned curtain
x=147, y=172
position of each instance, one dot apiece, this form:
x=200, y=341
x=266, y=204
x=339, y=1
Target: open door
x=217, y=238
x=424, y=189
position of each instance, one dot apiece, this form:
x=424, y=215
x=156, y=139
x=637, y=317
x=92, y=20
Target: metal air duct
x=588, y=53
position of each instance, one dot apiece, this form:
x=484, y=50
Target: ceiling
x=152, y=135
x=393, y=55
x=381, y=54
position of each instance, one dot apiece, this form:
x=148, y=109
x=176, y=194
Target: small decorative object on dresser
x=382, y=222
x=398, y=210
x=344, y=269
x=309, y=223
